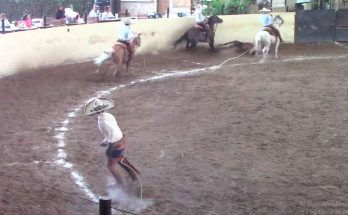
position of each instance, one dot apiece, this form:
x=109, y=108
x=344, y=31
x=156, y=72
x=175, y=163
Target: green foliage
x=216, y=7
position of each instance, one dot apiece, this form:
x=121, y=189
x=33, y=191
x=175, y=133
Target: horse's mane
x=280, y=18
x=136, y=41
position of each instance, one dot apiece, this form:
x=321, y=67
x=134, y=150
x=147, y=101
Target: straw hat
x=264, y=10
x=98, y=105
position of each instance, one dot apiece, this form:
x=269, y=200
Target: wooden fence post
x=168, y=12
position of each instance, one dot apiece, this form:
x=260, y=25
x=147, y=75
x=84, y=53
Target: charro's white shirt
x=108, y=126
x=198, y=15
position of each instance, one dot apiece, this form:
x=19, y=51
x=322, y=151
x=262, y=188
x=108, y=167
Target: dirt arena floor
x=209, y=136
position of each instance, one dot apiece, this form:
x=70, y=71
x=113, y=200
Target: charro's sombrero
x=98, y=105
x=127, y=21
x=264, y=10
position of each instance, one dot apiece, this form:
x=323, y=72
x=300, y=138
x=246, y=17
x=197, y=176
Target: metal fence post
x=104, y=205
x=45, y=21
x=85, y=17
x=3, y=25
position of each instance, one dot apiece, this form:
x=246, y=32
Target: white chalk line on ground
x=341, y=45
x=61, y=131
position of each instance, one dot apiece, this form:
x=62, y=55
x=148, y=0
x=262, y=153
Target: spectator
x=94, y=12
x=60, y=13
x=107, y=14
x=27, y=20
x=7, y=23
x=71, y=16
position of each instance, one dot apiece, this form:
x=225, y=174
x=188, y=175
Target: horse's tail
x=182, y=38
x=105, y=55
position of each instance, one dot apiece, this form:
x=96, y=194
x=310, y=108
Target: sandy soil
x=239, y=138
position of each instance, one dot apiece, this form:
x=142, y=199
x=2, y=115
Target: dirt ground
x=235, y=137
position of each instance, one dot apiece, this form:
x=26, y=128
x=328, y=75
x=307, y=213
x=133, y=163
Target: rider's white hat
x=98, y=105
x=264, y=10
x=198, y=6
x=127, y=21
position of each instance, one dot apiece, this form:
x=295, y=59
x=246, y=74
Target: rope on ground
x=62, y=191
x=232, y=58
x=138, y=176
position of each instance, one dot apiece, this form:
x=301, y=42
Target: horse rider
x=267, y=22
x=200, y=19
x=114, y=138
x=125, y=35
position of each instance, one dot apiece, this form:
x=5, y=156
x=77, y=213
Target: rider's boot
x=130, y=56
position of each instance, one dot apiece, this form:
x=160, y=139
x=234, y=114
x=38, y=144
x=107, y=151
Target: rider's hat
x=127, y=21
x=98, y=105
x=264, y=10
x=198, y=6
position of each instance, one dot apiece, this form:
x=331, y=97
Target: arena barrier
x=28, y=50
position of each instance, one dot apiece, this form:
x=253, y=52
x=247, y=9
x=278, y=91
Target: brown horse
x=195, y=34
x=118, y=54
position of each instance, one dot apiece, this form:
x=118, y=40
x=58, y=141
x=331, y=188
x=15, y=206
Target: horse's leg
x=115, y=70
x=193, y=44
x=276, y=47
x=211, y=44
x=187, y=44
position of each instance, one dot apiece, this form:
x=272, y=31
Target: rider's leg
x=277, y=32
x=112, y=166
x=132, y=171
x=131, y=54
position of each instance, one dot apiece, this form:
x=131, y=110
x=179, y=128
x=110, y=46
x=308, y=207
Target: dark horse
x=196, y=34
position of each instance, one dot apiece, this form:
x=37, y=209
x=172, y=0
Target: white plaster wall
x=22, y=51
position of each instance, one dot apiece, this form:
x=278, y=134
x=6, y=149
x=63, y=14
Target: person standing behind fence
x=6, y=22
x=71, y=16
x=27, y=20
x=114, y=138
x=107, y=14
x=60, y=13
x=267, y=22
x=94, y=12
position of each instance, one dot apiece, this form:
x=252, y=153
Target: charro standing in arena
x=114, y=138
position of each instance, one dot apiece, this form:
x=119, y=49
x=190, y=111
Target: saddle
x=126, y=51
x=270, y=31
x=199, y=27
x=122, y=45
x=274, y=32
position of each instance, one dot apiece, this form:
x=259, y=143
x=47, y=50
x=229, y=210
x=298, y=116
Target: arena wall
x=24, y=51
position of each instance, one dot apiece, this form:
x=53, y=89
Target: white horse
x=264, y=39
